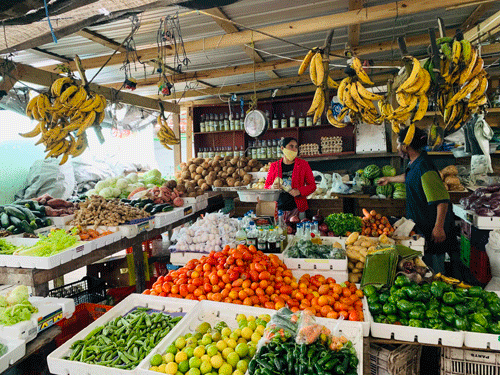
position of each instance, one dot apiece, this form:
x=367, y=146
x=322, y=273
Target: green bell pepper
x=437, y=289
x=393, y=289
x=450, y=319
x=417, y=314
x=432, y=314
x=446, y=310
x=476, y=327
x=494, y=308
x=383, y=298
x=372, y=299
x=403, y=321
x=391, y=319
x=480, y=319
x=485, y=312
x=475, y=291
x=389, y=308
x=452, y=298
x=392, y=299
x=439, y=325
x=399, y=294
x=461, y=323
x=425, y=295
x=380, y=319
x=404, y=305
x=495, y=328
x=471, y=304
x=375, y=308
x=462, y=309
x=419, y=305
x=413, y=293
x=415, y=323
x=369, y=290
x=401, y=281
x=433, y=304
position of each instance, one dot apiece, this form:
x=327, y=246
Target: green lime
x=171, y=349
x=203, y=328
x=231, y=343
x=205, y=367
x=212, y=350
x=242, y=365
x=192, y=342
x=238, y=372
x=226, y=352
x=199, y=351
x=156, y=360
x=206, y=339
x=184, y=366
x=169, y=357
x=205, y=358
x=241, y=317
x=194, y=362
x=180, y=342
x=189, y=351
x=198, y=336
x=252, y=325
x=242, y=350
x=216, y=336
x=225, y=369
x=233, y=359
x=194, y=371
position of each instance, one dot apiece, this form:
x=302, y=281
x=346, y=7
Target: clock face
x=255, y=123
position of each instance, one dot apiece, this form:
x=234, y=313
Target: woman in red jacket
x=297, y=175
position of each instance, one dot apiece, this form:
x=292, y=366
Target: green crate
x=465, y=250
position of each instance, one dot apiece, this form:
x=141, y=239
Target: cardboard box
x=267, y=209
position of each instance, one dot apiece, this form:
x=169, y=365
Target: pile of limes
x=217, y=350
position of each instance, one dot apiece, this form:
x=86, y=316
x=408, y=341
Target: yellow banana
x=36, y=131
x=30, y=106
x=67, y=93
x=320, y=71
x=464, y=76
x=102, y=105
x=320, y=109
x=58, y=84
x=333, y=121
x=348, y=99
x=315, y=103
x=402, y=99
x=477, y=68
x=409, y=136
x=40, y=106
x=464, y=91
x=89, y=121
x=456, y=52
x=466, y=50
x=410, y=105
x=91, y=104
x=395, y=127
x=331, y=83
x=353, y=91
x=480, y=89
x=313, y=74
x=341, y=89
x=413, y=76
x=78, y=98
x=360, y=72
x=306, y=62
x=418, y=84
x=423, y=104
x=427, y=83
x=364, y=93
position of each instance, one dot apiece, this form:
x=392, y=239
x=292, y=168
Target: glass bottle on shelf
x=276, y=121
x=226, y=122
x=208, y=123
x=242, y=151
x=254, y=150
x=274, y=154
x=284, y=121
x=262, y=241
x=302, y=120
x=212, y=123
x=271, y=241
x=215, y=124
x=211, y=153
x=278, y=148
x=242, y=120
x=231, y=122
x=268, y=118
x=202, y=124
x=269, y=150
x=237, y=122
x=221, y=122
x=309, y=121
x=263, y=147
x=292, y=119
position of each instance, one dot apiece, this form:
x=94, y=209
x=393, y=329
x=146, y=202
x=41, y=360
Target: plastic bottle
x=262, y=241
x=271, y=242
x=241, y=236
x=252, y=234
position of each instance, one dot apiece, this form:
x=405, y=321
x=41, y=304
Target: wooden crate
x=326, y=206
x=385, y=207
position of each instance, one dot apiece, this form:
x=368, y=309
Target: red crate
x=85, y=314
x=480, y=265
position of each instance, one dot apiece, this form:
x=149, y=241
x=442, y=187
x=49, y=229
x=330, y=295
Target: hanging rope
x=48, y=20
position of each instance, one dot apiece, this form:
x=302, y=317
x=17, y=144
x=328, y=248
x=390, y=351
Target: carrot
x=379, y=231
x=365, y=212
x=84, y=236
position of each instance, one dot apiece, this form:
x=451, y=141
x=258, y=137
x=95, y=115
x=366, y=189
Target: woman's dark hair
x=287, y=140
x=419, y=139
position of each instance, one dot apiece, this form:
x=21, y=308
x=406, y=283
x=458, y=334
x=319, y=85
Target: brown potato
x=186, y=175
x=224, y=175
x=199, y=170
x=255, y=169
x=218, y=183
x=241, y=172
x=198, y=177
x=192, y=168
x=204, y=173
x=205, y=165
x=252, y=163
x=201, y=182
x=230, y=182
x=247, y=168
x=237, y=183
x=231, y=170
x=205, y=187
x=235, y=175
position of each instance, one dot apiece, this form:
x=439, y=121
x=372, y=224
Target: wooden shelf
x=489, y=111
x=219, y=132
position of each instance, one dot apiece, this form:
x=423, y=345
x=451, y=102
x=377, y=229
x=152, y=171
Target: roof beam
x=224, y=23
x=36, y=76
x=475, y=16
x=50, y=55
x=101, y=39
x=353, y=31
x=484, y=28
x=277, y=64
x=287, y=29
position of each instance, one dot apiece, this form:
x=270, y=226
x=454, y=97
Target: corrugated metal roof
x=252, y=13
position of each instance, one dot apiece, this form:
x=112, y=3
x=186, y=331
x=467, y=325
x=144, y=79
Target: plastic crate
x=465, y=250
x=85, y=313
x=465, y=362
x=480, y=264
x=87, y=290
x=395, y=359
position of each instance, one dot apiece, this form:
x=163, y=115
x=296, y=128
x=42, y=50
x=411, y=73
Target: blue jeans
x=435, y=261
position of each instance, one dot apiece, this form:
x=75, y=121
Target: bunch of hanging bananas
x=314, y=61
x=413, y=82
x=465, y=81
x=166, y=135
x=356, y=99
x=64, y=115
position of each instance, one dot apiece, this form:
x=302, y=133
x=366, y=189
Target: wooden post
x=140, y=279
x=177, y=132
x=189, y=132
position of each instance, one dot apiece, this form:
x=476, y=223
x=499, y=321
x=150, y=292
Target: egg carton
x=332, y=149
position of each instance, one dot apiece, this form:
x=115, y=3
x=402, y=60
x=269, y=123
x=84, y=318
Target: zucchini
x=144, y=202
x=15, y=212
x=38, y=214
x=46, y=222
x=4, y=220
x=39, y=222
x=125, y=200
x=159, y=207
x=2, y=209
x=31, y=205
x=168, y=208
x=15, y=221
x=149, y=207
x=27, y=212
x=134, y=202
x=25, y=226
x=16, y=230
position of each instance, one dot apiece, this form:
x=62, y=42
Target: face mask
x=289, y=154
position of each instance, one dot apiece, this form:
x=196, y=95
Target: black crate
x=87, y=290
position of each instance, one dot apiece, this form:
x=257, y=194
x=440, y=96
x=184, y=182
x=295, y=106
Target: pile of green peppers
x=436, y=305
x=290, y=358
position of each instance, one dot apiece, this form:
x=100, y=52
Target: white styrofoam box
x=50, y=311
x=415, y=334
x=365, y=324
x=163, y=219
x=480, y=222
x=21, y=261
x=181, y=258
x=16, y=349
x=370, y=138
x=101, y=241
x=61, y=221
x=214, y=312
x=482, y=340
x=132, y=230
x=201, y=205
x=316, y=264
x=194, y=201
x=257, y=175
x=462, y=213
x=58, y=365
x=338, y=276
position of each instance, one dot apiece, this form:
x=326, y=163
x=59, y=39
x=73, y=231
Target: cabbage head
x=101, y=185
x=132, y=178
x=18, y=295
x=122, y=183
x=152, y=177
x=91, y=192
x=106, y=193
x=116, y=192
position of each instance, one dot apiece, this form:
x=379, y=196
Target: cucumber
x=31, y=205
x=39, y=222
x=27, y=212
x=159, y=207
x=2, y=209
x=167, y=209
x=15, y=212
x=15, y=221
x=4, y=220
x=17, y=230
x=11, y=228
x=25, y=226
x=149, y=207
x=125, y=200
x=141, y=204
x=46, y=222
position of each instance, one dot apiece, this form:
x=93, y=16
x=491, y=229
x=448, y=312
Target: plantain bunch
x=465, y=81
x=63, y=115
x=314, y=61
x=358, y=102
x=166, y=135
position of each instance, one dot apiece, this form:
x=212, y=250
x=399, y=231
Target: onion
x=294, y=219
x=318, y=217
x=323, y=227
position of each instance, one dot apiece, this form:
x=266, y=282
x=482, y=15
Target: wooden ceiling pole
x=218, y=16
x=287, y=29
x=475, y=16
x=28, y=73
x=484, y=29
x=353, y=31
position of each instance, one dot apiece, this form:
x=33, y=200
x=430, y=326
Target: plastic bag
x=322, y=184
x=282, y=326
x=338, y=187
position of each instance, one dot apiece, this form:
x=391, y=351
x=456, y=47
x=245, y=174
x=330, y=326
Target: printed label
x=80, y=248
x=143, y=227
x=49, y=320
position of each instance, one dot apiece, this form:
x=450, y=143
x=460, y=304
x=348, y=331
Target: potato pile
x=198, y=175
x=449, y=175
x=357, y=248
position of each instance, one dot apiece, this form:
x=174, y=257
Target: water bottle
x=307, y=231
x=300, y=231
x=240, y=236
x=262, y=241
x=251, y=235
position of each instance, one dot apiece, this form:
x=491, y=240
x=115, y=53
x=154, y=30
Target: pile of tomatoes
x=249, y=277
